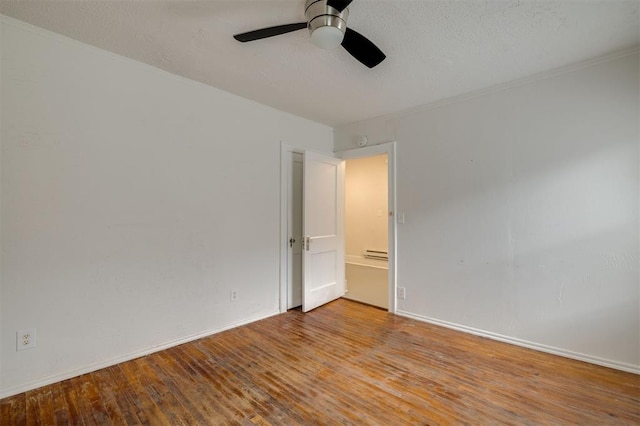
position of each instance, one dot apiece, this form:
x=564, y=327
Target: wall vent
x=376, y=254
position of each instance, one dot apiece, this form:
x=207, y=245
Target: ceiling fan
x=327, y=22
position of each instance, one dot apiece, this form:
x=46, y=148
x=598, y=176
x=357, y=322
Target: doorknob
x=291, y=241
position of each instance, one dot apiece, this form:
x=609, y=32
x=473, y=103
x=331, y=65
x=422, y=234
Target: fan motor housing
x=319, y=14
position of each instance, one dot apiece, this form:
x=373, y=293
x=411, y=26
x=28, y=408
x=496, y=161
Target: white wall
x=133, y=201
x=521, y=211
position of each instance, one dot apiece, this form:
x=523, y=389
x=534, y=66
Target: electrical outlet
x=234, y=295
x=402, y=293
x=26, y=339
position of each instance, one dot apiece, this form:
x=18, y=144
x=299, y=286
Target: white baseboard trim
x=525, y=343
x=54, y=378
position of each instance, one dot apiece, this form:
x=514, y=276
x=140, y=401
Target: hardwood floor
x=344, y=363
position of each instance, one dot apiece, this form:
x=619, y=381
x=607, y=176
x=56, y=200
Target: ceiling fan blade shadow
x=269, y=32
x=362, y=48
x=340, y=5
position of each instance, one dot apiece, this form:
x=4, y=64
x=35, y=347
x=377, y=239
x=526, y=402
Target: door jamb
x=284, y=222
x=388, y=148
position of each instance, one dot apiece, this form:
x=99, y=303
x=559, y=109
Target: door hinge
x=308, y=240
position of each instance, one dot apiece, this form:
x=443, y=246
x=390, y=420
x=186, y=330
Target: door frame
x=388, y=148
x=284, y=221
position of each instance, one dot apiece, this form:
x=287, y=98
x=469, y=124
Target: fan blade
x=362, y=48
x=269, y=32
x=339, y=5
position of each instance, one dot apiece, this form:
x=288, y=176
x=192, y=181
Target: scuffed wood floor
x=344, y=363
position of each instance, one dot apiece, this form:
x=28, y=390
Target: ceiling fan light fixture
x=326, y=24
x=327, y=37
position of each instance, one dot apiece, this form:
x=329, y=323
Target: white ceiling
x=435, y=49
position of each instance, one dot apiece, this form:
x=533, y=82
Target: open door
x=323, y=230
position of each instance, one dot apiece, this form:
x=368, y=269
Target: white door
x=294, y=231
x=323, y=230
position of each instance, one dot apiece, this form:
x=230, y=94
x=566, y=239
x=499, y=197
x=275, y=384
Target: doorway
x=291, y=238
x=387, y=149
x=366, y=230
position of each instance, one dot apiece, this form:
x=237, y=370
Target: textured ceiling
x=435, y=49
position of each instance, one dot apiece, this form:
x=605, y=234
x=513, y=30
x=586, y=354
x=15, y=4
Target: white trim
x=388, y=148
x=284, y=221
x=4, y=393
x=525, y=343
x=284, y=149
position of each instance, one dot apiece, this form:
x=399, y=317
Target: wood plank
x=344, y=363
x=60, y=408
x=14, y=410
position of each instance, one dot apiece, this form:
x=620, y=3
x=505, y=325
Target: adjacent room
x=326, y=212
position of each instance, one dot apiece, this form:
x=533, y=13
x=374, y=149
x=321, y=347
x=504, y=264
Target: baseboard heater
x=376, y=254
